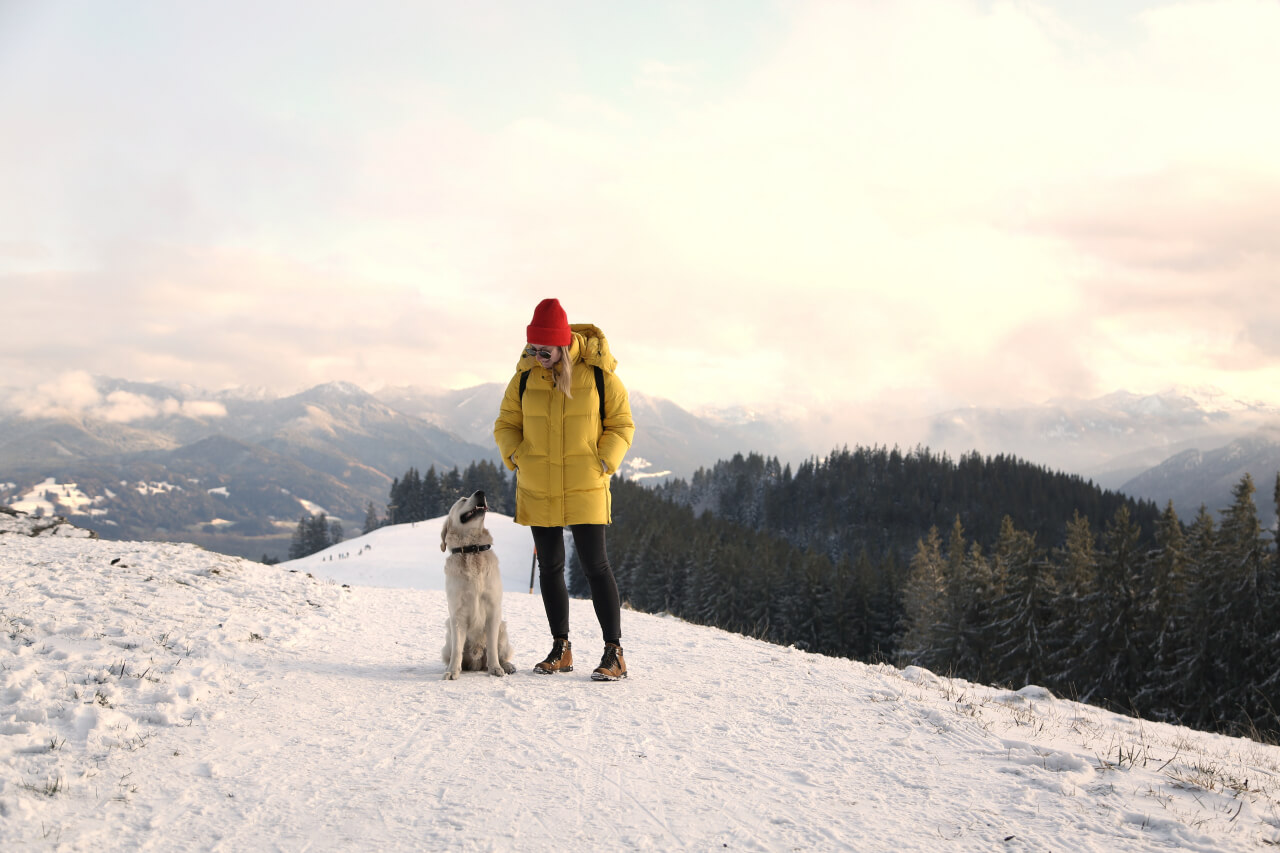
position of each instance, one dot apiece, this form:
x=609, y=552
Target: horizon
x=1137, y=432
x=80, y=391
x=871, y=211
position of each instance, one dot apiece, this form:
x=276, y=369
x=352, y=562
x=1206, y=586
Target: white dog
x=475, y=635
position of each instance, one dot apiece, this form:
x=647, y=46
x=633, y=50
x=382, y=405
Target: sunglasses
x=540, y=353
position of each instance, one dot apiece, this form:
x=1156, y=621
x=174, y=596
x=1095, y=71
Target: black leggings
x=588, y=539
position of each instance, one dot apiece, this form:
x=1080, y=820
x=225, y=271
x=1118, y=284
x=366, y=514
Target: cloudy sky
x=850, y=206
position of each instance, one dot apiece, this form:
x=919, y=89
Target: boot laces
x=557, y=651
x=610, y=659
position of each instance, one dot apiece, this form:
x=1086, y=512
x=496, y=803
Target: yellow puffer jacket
x=556, y=444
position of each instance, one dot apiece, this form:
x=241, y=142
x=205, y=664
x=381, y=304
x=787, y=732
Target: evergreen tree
x=948, y=637
x=858, y=621
x=972, y=589
x=1076, y=567
x=1165, y=573
x=489, y=478
x=1233, y=601
x=433, y=504
x=318, y=533
x=1268, y=662
x=393, y=502
x=371, y=520
x=311, y=536
x=1113, y=659
x=415, y=508
x=298, y=546
x=925, y=606
x=1275, y=496
x=1192, y=684
x=450, y=489
x=1022, y=616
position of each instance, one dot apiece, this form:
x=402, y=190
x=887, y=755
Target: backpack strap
x=600, y=390
x=524, y=380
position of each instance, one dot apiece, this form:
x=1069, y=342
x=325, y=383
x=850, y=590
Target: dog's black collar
x=470, y=549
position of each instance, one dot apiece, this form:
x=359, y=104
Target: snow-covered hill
x=407, y=556
x=160, y=697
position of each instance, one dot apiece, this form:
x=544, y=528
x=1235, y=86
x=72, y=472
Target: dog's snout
x=479, y=498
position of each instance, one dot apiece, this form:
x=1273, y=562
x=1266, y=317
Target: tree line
x=883, y=499
x=1184, y=628
x=314, y=533
x=1042, y=577
x=413, y=497
x=418, y=497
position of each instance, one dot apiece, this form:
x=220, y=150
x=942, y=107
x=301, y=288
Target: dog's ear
x=444, y=530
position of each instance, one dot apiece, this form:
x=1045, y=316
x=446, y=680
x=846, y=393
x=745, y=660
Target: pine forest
x=989, y=569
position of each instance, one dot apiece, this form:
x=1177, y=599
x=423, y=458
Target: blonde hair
x=564, y=377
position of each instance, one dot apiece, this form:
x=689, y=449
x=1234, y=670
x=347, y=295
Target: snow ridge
x=157, y=696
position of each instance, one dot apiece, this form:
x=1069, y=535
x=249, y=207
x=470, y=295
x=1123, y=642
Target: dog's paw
x=450, y=675
x=508, y=666
x=498, y=671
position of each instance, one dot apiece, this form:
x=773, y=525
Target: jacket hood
x=589, y=346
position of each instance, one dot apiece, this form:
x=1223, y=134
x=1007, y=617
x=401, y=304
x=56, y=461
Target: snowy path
x=325, y=726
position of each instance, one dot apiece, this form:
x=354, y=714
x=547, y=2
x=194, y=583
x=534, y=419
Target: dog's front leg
x=504, y=649
x=492, y=628
x=457, y=635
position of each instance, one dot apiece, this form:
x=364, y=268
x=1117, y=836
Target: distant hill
x=231, y=471
x=670, y=441
x=234, y=470
x=1110, y=439
x=1196, y=477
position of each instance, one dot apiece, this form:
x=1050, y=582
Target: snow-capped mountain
x=163, y=461
x=1208, y=477
x=669, y=439
x=172, y=461
x=157, y=696
x=1110, y=439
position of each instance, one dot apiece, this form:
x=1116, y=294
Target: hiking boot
x=560, y=659
x=612, y=666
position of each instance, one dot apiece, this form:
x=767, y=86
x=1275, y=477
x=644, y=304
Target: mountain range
x=1188, y=446
x=234, y=470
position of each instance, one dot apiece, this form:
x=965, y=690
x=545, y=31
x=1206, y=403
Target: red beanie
x=550, y=326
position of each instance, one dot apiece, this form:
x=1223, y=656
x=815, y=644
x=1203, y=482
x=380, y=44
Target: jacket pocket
x=521, y=449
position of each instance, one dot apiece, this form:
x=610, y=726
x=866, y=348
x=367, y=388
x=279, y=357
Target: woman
x=564, y=427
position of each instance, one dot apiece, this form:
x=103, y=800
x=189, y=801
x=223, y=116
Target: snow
x=157, y=696
x=69, y=498
x=311, y=508
x=635, y=469
x=16, y=522
x=155, y=488
x=408, y=556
